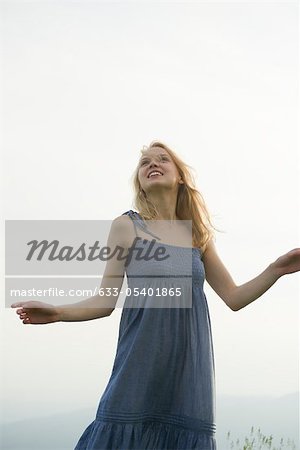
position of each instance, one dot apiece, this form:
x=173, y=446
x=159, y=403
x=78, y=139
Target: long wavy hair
x=190, y=204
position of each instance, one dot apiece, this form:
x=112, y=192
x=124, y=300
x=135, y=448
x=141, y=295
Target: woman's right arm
x=34, y=312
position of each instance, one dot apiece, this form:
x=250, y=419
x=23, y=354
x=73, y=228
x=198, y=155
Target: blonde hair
x=190, y=204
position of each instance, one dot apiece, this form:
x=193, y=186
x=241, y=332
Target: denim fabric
x=161, y=392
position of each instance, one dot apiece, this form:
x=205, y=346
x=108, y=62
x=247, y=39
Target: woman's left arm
x=237, y=297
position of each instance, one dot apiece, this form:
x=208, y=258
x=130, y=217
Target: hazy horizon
x=276, y=417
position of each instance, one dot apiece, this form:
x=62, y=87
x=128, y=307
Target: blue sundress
x=161, y=392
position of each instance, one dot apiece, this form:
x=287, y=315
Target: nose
x=152, y=164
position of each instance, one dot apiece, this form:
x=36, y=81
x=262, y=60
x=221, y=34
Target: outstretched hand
x=35, y=312
x=287, y=263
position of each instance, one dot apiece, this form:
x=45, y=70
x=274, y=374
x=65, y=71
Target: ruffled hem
x=102, y=435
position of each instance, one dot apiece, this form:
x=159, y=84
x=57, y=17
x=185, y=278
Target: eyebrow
x=147, y=157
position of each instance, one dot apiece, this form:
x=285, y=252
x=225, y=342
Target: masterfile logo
x=69, y=258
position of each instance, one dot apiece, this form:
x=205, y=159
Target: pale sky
x=85, y=86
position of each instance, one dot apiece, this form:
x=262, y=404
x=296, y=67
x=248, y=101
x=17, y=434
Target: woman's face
x=157, y=170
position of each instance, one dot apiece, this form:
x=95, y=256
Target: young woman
x=161, y=393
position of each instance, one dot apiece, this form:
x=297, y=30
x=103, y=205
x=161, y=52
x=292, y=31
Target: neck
x=165, y=203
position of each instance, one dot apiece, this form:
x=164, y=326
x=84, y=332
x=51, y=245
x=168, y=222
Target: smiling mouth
x=155, y=174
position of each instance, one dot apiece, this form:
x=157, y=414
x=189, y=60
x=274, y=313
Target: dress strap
x=139, y=221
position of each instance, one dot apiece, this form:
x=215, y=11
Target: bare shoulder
x=122, y=230
x=216, y=273
x=209, y=248
x=122, y=223
x=210, y=256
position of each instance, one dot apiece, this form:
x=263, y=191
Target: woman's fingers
x=15, y=305
x=23, y=308
x=22, y=312
x=35, y=312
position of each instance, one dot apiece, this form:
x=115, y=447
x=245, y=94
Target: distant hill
x=57, y=432
x=276, y=416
